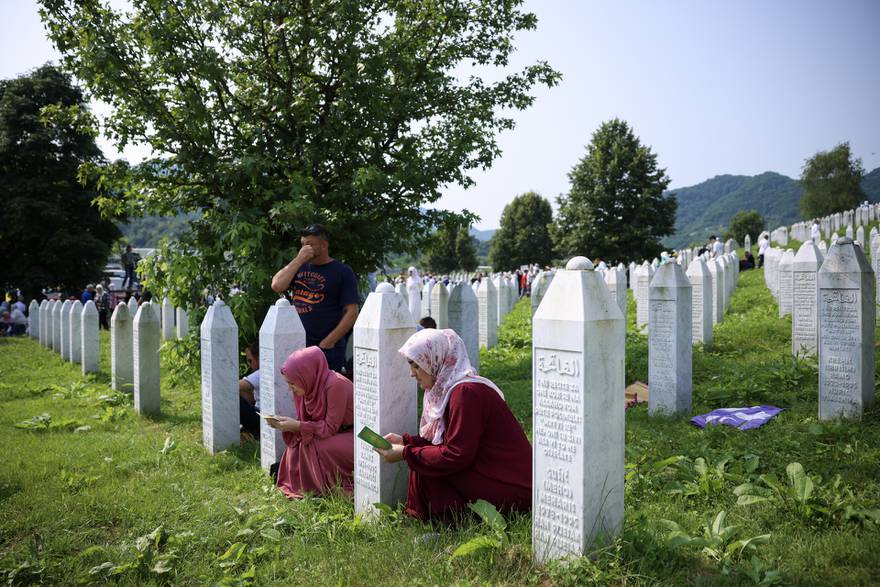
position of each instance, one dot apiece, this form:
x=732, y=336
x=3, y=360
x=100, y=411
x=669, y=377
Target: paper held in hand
x=267, y=416
x=373, y=439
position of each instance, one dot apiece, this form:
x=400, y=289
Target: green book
x=373, y=439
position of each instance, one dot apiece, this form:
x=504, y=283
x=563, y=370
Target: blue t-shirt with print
x=320, y=293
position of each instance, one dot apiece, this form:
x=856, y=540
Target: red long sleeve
x=339, y=411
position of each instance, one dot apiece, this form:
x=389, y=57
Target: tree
x=52, y=235
x=745, y=222
x=449, y=249
x=524, y=236
x=832, y=182
x=615, y=208
x=271, y=114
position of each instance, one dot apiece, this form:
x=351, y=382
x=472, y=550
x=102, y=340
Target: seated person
x=249, y=392
x=748, y=262
x=470, y=445
x=426, y=322
x=320, y=445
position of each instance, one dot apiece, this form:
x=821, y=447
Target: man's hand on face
x=306, y=253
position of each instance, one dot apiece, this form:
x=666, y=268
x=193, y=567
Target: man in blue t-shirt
x=324, y=292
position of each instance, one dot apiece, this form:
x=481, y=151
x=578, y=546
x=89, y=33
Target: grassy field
x=90, y=492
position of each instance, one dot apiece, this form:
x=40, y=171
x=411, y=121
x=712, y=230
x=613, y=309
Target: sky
x=712, y=87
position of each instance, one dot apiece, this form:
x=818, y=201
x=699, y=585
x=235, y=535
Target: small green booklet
x=372, y=438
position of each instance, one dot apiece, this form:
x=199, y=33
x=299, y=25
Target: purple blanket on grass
x=742, y=418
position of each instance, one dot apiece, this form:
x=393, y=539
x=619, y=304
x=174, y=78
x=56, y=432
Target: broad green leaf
x=489, y=514
x=662, y=464
x=800, y=481
x=271, y=534
x=475, y=545
x=700, y=466
x=750, y=499
x=233, y=550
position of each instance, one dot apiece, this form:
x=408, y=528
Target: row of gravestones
x=832, y=301
x=69, y=328
x=830, y=225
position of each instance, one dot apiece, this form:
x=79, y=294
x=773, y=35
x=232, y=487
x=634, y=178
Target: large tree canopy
x=524, y=236
x=832, y=182
x=745, y=222
x=270, y=114
x=450, y=248
x=615, y=208
x=50, y=233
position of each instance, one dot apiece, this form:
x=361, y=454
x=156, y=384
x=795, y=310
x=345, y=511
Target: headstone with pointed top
x=786, y=282
x=181, y=323
x=502, y=295
x=64, y=316
x=45, y=324
x=384, y=397
x=487, y=297
x=74, y=353
x=34, y=320
x=90, y=338
x=55, y=312
x=805, y=299
x=670, y=342
x=615, y=280
x=145, y=359
x=717, y=300
x=701, y=301
x=440, y=305
x=281, y=334
x=747, y=243
x=847, y=316
x=464, y=319
x=644, y=273
x=167, y=319
x=133, y=307
x=578, y=414
x=121, y=369
x=219, y=346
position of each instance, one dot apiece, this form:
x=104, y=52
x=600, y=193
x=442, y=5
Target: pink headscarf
x=307, y=368
x=442, y=354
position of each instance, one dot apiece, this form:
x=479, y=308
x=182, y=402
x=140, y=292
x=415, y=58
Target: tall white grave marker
x=846, y=332
x=281, y=334
x=182, y=323
x=64, y=317
x=786, y=282
x=167, y=319
x=701, y=301
x=219, y=344
x=45, y=323
x=55, y=313
x=90, y=338
x=578, y=413
x=615, y=280
x=145, y=359
x=74, y=354
x=464, y=319
x=670, y=342
x=644, y=272
x=34, y=319
x=384, y=396
x=440, y=305
x=133, y=307
x=805, y=299
x=717, y=299
x=487, y=296
x=121, y=374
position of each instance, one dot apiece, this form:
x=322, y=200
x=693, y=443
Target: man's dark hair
x=254, y=348
x=712, y=238
x=315, y=230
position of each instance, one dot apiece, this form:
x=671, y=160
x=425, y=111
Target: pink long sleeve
x=339, y=412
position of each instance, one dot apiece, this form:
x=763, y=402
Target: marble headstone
x=219, y=345
x=167, y=319
x=385, y=396
x=615, y=280
x=487, y=297
x=34, y=319
x=182, y=323
x=578, y=414
x=805, y=299
x=670, y=342
x=786, y=283
x=145, y=359
x=121, y=373
x=55, y=313
x=464, y=318
x=644, y=273
x=847, y=316
x=281, y=334
x=701, y=301
x=64, y=316
x=133, y=307
x=44, y=323
x=440, y=305
x=90, y=338
x=717, y=275
x=74, y=354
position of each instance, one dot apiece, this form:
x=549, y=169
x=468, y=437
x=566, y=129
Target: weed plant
x=91, y=493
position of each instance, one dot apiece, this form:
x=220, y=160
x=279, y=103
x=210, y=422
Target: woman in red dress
x=320, y=445
x=470, y=445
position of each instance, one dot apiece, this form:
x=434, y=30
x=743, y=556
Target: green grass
x=84, y=506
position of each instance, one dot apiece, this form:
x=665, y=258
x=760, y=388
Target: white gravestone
x=145, y=359
x=55, y=313
x=90, y=338
x=747, y=243
x=786, y=282
x=847, y=315
x=644, y=272
x=121, y=373
x=44, y=323
x=64, y=317
x=536, y=292
x=464, y=318
x=487, y=296
x=440, y=305
x=133, y=307
x=701, y=301
x=849, y=231
x=182, y=323
x=632, y=275
x=670, y=342
x=426, y=297
x=167, y=319
x=805, y=299
x=578, y=413
x=385, y=397
x=75, y=329
x=860, y=235
x=281, y=334
x=414, y=293
x=717, y=300
x=615, y=280
x=219, y=345
x=34, y=319
x=502, y=292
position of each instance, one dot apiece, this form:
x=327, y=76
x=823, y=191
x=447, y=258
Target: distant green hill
x=706, y=208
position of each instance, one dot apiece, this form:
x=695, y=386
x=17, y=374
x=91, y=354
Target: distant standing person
x=324, y=292
x=716, y=246
x=815, y=235
x=249, y=392
x=128, y=265
x=102, y=304
x=762, y=248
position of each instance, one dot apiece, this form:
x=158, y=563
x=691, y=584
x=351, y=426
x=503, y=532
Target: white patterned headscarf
x=442, y=354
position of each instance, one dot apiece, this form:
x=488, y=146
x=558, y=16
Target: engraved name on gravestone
x=578, y=414
x=121, y=374
x=786, y=282
x=219, y=346
x=384, y=396
x=846, y=332
x=281, y=334
x=670, y=342
x=644, y=273
x=701, y=301
x=487, y=296
x=805, y=299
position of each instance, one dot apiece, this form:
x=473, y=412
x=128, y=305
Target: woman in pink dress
x=320, y=444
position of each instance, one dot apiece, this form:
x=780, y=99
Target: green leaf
x=475, y=545
x=489, y=514
x=271, y=534
x=800, y=481
x=662, y=464
x=750, y=499
x=233, y=551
